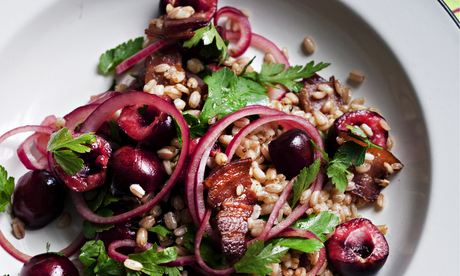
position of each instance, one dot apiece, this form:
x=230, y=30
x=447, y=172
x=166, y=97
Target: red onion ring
x=300, y=233
x=147, y=51
x=245, y=34
x=199, y=259
x=276, y=210
x=102, y=97
x=267, y=46
x=114, y=254
x=22, y=257
x=182, y=261
x=27, y=128
x=276, y=92
x=79, y=115
x=30, y=159
x=298, y=211
x=290, y=120
x=105, y=112
x=263, y=44
x=197, y=164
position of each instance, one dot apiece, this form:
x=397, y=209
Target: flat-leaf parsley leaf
x=66, y=148
x=111, y=58
x=304, y=180
x=152, y=259
x=96, y=262
x=258, y=257
x=208, y=34
x=228, y=92
x=321, y=224
x=275, y=73
x=6, y=188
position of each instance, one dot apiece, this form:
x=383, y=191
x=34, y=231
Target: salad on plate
x=196, y=163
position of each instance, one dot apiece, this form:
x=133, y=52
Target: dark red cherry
x=291, y=152
x=145, y=125
x=49, y=264
x=134, y=165
x=94, y=171
x=357, y=118
x=356, y=248
x=38, y=198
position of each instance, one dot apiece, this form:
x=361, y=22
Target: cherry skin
x=49, y=264
x=38, y=198
x=291, y=152
x=133, y=165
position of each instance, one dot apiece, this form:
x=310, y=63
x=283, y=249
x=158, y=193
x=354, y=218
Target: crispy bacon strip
x=234, y=208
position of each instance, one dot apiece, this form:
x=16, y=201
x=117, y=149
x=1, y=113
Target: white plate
x=49, y=51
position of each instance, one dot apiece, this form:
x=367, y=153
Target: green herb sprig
x=275, y=73
x=66, y=149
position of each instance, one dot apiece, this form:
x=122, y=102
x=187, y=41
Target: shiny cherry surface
x=134, y=165
x=356, y=248
x=49, y=264
x=291, y=152
x=38, y=198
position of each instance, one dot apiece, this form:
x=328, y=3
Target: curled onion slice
x=29, y=154
x=71, y=249
x=79, y=115
x=245, y=33
x=147, y=51
x=27, y=128
x=103, y=113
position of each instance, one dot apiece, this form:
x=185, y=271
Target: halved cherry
x=94, y=171
x=357, y=118
x=356, y=248
x=145, y=125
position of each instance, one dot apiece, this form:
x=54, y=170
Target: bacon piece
x=171, y=58
x=166, y=27
x=306, y=100
x=366, y=183
x=234, y=208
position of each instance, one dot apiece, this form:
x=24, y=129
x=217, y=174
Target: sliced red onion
x=298, y=211
x=197, y=164
x=300, y=233
x=147, y=51
x=27, y=128
x=199, y=259
x=237, y=17
x=283, y=118
x=269, y=47
x=103, y=113
x=30, y=156
x=276, y=210
x=79, y=115
x=114, y=254
x=182, y=261
x=102, y=97
x=276, y=92
x=263, y=44
x=71, y=249
x=49, y=121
